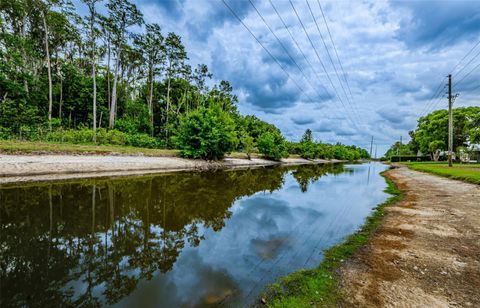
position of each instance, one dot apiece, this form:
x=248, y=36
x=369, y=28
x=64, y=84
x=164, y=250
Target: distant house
x=474, y=152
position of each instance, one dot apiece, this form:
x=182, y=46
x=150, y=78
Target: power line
x=466, y=55
x=284, y=48
x=296, y=43
x=436, y=93
x=266, y=49
x=330, y=58
x=468, y=74
x=336, y=53
x=321, y=63
x=471, y=60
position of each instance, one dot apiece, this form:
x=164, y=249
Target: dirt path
x=28, y=168
x=427, y=252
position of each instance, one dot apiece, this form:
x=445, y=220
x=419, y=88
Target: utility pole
x=450, y=121
x=399, y=150
x=375, y=151
x=371, y=146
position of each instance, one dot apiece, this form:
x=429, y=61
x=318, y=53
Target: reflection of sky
x=268, y=235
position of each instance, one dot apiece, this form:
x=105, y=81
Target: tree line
x=98, y=79
x=430, y=138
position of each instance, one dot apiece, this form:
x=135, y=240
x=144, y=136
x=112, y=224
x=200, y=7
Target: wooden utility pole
x=375, y=151
x=371, y=146
x=399, y=150
x=450, y=121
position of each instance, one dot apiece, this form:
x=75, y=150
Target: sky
x=394, y=57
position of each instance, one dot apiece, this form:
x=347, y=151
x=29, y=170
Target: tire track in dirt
x=426, y=252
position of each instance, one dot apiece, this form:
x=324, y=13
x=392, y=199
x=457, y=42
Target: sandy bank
x=28, y=168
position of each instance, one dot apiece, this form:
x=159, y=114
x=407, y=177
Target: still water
x=176, y=240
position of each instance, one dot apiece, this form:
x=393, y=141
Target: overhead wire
x=266, y=50
x=336, y=53
x=323, y=65
x=296, y=43
x=284, y=48
x=330, y=58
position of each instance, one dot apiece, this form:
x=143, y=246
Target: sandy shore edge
x=39, y=168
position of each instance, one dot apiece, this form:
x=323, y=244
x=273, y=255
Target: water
x=184, y=239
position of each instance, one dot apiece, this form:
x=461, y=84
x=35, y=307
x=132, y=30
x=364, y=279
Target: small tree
x=206, y=133
x=272, y=145
x=247, y=143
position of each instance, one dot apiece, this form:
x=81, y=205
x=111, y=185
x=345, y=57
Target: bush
x=272, y=145
x=206, y=133
x=143, y=141
x=308, y=150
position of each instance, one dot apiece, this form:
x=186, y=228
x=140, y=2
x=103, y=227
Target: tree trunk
x=61, y=100
x=150, y=99
x=47, y=51
x=113, y=106
x=94, y=78
x=168, y=103
x=109, y=100
x=24, y=54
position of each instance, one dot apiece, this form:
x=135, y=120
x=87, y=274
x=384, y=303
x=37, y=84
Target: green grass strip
x=466, y=172
x=319, y=286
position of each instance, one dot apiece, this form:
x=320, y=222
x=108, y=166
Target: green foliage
x=206, y=133
x=104, y=137
x=400, y=149
x=309, y=149
x=136, y=119
x=432, y=130
x=272, y=145
x=247, y=143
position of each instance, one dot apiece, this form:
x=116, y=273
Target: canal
x=176, y=240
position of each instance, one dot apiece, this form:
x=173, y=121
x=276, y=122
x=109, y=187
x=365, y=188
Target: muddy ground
x=427, y=251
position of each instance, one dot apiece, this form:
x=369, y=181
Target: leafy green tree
x=272, y=145
x=123, y=15
x=152, y=46
x=248, y=145
x=432, y=130
x=206, y=133
x=91, y=19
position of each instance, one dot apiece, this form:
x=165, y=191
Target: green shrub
x=309, y=150
x=272, y=145
x=206, y=133
x=143, y=141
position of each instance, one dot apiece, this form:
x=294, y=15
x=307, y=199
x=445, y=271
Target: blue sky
x=394, y=55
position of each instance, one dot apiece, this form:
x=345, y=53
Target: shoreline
x=321, y=285
x=420, y=248
x=51, y=167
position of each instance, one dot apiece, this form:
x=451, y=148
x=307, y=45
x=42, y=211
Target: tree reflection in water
x=91, y=242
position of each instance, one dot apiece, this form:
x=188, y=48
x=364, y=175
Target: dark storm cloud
x=303, y=119
x=200, y=27
x=393, y=115
x=438, y=24
x=172, y=8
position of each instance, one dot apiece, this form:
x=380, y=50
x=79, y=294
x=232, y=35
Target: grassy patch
x=464, y=172
x=32, y=147
x=37, y=147
x=319, y=286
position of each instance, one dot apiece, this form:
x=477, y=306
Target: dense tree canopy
x=93, y=79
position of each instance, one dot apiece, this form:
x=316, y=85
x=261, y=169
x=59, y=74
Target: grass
x=319, y=286
x=38, y=147
x=463, y=172
x=33, y=147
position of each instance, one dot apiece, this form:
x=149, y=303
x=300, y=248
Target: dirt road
x=427, y=251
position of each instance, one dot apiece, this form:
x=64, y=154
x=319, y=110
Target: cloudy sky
x=394, y=56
